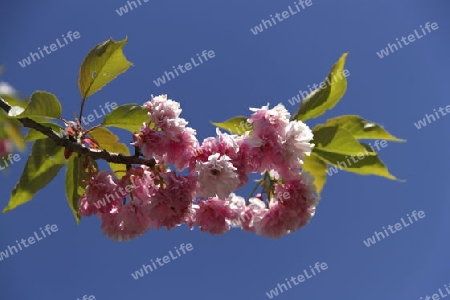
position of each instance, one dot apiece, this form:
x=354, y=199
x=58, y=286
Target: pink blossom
x=179, y=148
x=213, y=216
x=253, y=156
x=208, y=147
x=167, y=138
x=296, y=146
x=224, y=145
x=149, y=141
x=126, y=222
x=253, y=214
x=171, y=204
x=189, y=218
x=275, y=145
x=141, y=181
x=85, y=208
x=246, y=216
x=229, y=145
x=265, y=145
x=162, y=109
x=276, y=118
x=276, y=222
x=173, y=145
x=217, y=176
x=104, y=192
x=292, y=208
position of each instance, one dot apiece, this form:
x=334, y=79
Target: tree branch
x=75, y=147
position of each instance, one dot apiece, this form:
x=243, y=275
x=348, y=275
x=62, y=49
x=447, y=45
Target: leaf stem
x=254, y=189
x=82, y=108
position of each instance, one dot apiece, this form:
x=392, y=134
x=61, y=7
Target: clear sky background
x=247, y=71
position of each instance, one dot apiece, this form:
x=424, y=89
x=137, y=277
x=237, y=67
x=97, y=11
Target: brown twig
x=73, y=146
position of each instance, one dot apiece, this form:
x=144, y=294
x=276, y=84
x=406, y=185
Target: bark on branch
x=75, y=147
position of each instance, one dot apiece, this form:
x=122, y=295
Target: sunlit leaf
x=42, y=166
x=237, y=125
x=109, y=142
x=318, y=168
x=336, y=140
x=76, y=175
x=325, y=98
x=103, y=64
x=363, y=164
x=42, y=104
x=128, y=116
x=361, y=128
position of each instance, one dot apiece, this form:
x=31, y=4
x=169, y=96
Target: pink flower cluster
x=151, y=198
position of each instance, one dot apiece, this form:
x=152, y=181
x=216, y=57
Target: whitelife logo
x=285, y=14
x=411, y=38
x=27, y=61
x=124, y=9
x=436, y=296
x=398, y=227
x=31, y=240
x=166, y=259
x=317, y=87
x=162, y=80
x=91, y=118
x=341, y=164
x=300, y=278
x=430, y=118
x=11, y=158
x=85, y=297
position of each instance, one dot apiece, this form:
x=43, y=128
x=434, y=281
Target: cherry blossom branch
x=76, y=147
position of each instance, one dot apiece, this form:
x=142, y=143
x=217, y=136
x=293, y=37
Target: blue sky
x=247, y=71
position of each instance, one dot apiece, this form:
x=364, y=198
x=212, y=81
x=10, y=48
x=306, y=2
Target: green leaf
x=76, y=175
x=42, y=104
x=128, y=116
x=364, y=165
x=42, y=166
x=34, y=135
x=12, y=130
x=362, y=129
x=237, y=125
x=14, y=101
x=318, y=168
x=103, y=64
x=321, y=100
x=109, y=142
x=336, y=140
